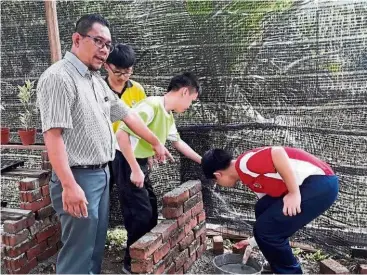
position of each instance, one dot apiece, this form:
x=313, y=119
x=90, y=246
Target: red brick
x=161, y=252
x=330, y=266
x=218, y=246
x=159, y=268
x=36, y=205
x=15, y=263
x=54, y=239
x=165, y=228
x=237, y=249
x=199, y=229
x=201, y=217
x=44, y=178
x=190, y=225
x=197, y=210
x=172, y=212
x=29, y=184
x=46, y=165
x=44, y=156
x=363, y=269
x=177, y=237
x=54, y=219
x=15, y=239
x=171, y=269
x=4, y=239
x=30, y=196
x=46, y=233
x=190, y=203
x=13, y=227
x=176, y=197
x=200, y=251
x=203, y=238
x=36, y=250
x=186, y=241
x=145, y=246
x=193, y=247
x=194, y=186
x=45, y=190
x=45, y=212
x=189, y=262
x=39, y=226
x=181, y=259
x=47, y=253
x=184, y=218
x=142, y=266
x=172, y=255
x=27, y=268
x=15, y=251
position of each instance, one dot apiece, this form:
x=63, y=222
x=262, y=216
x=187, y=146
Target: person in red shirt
x=293, y=186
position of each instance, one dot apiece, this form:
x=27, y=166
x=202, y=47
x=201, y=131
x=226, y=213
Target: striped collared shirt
x=72, y=97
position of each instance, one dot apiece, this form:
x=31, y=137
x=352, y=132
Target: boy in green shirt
x=137, y=198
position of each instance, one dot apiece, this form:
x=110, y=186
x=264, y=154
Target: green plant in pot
x=5, y=131
x=28, y=132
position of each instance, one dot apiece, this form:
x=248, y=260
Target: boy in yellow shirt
x=119, y=66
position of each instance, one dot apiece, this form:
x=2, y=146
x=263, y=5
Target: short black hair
x=85, y=23
x=186, y=79
x=122, y=56
x=214, y=160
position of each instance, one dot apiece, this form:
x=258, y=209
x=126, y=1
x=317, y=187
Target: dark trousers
x=139, y=205
x=273, y=229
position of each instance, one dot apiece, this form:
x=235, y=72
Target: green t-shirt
x=159, y=121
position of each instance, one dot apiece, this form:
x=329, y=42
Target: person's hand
x=162, y=153
x=242, y=244
x=137, y=177
x=292, y=204
x=74, y=201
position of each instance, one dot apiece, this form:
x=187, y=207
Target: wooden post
x=53, y=30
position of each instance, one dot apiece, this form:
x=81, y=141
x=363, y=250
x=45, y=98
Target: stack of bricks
x=176, y=242
x=30, y=235
x=46, y=165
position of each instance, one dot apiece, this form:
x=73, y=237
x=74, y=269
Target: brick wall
x=176, y=242
x=30, y=234
x=46, y=165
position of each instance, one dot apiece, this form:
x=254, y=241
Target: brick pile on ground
x=176, y=242
x=30, y=234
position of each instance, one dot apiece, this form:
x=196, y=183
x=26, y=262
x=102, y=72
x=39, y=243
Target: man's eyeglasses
x=119, y=73
x=99, y=42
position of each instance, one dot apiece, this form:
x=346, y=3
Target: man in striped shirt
x=293, y=186
x=77, y=108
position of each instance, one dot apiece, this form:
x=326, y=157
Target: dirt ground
x=112, y=262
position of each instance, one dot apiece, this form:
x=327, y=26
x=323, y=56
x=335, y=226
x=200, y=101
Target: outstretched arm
x=185, y=149
x=137, y=125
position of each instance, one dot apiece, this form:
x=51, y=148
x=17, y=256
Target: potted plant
x=28, y=132
x=5, y=131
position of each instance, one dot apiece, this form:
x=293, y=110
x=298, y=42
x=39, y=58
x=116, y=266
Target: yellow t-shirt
x=133, y=93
